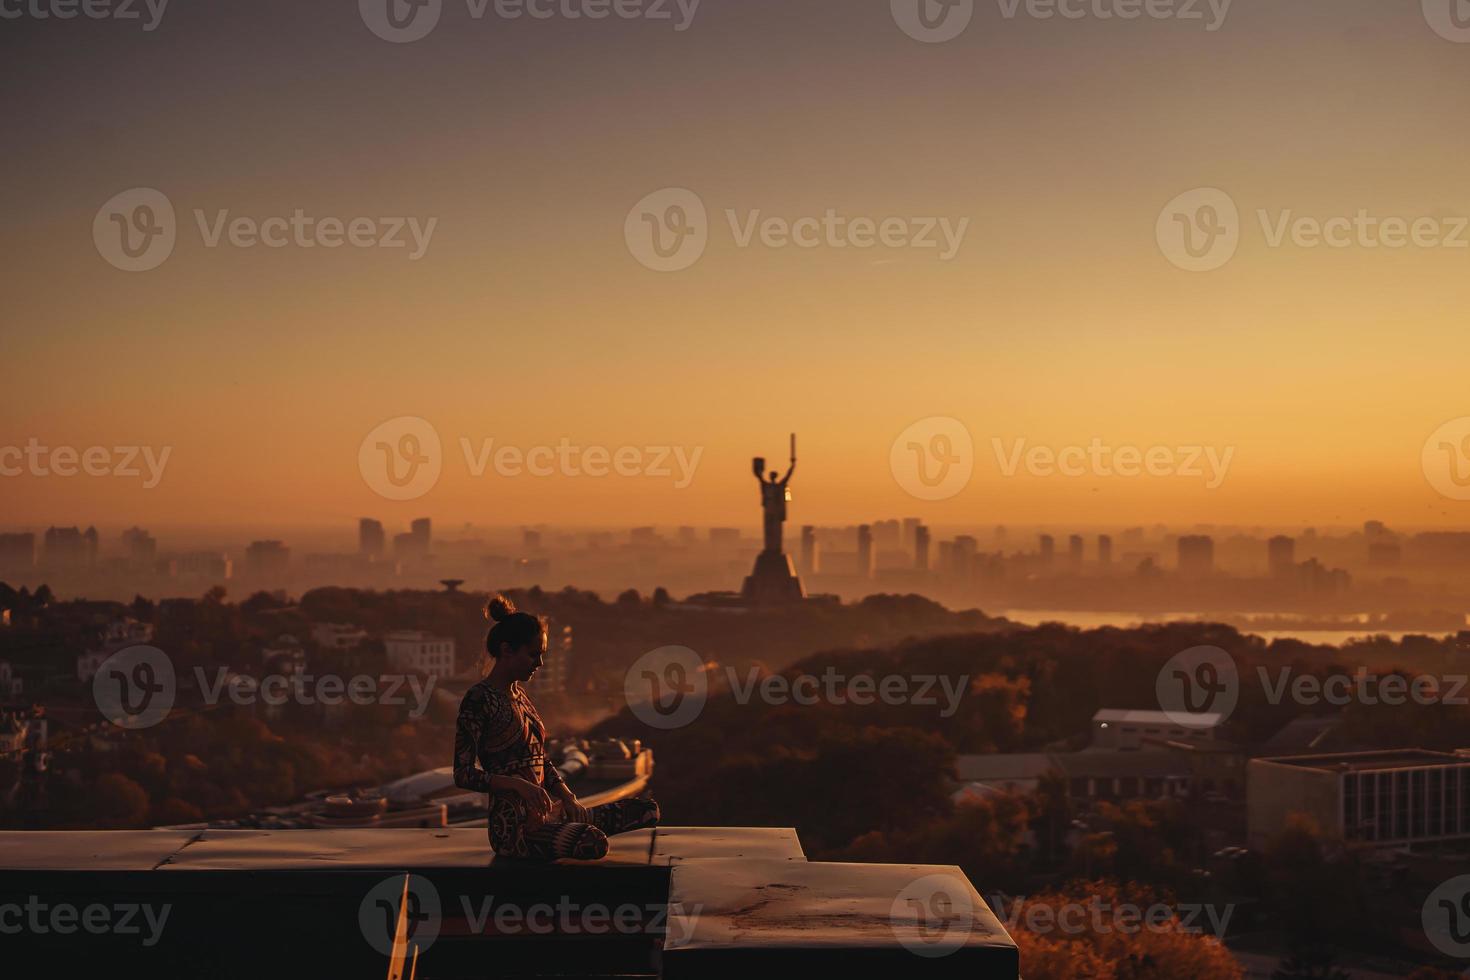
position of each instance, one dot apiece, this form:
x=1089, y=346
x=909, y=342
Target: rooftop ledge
x=715, y=902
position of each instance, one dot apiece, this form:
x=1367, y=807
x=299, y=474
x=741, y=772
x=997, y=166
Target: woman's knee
x=591, y=844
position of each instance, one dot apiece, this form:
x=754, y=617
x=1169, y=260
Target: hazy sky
x=1056, y=144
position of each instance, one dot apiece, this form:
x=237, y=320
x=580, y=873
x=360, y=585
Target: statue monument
x=773, y=579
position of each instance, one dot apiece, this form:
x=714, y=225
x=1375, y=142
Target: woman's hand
x=538, y=802
x=575, y=812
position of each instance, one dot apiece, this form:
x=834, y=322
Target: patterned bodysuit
x=500, y=734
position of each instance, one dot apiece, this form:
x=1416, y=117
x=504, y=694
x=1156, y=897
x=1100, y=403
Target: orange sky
x=529, y=321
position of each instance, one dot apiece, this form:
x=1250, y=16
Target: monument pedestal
x=773, y=580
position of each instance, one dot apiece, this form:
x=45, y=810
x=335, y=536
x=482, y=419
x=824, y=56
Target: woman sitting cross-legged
x=500, y=749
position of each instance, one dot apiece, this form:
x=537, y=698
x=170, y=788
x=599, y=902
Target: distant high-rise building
x=1374, y=529
x=911, y=532
x=1281, y=556
x=887, y=535
x=531, y=539
x=1048, y=548
x=142, y=547
x=1104, y=549
x=210, y=566
x=1196, y=555
x=865, y=551
x=724, y=537
x=1383, y=553
x=556, y=668
x=267, y=558
x=372, y=540
x=69, y=548
x=1074, y=550
x=810, y=551
x=921, y=548
x=17, y=551
x=644, y=536
x=416, y=543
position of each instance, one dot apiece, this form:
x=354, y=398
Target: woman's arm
x=475, y=712
x=467, y=731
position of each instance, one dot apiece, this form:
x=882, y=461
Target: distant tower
x=1281, y=556
x=1196, y=555
x=1104, y=549
x=911, y=533
x=921, y=548
x=865, y=551
x=371, y=539
x=1048, y=549
x=810, y=550
x=1074, y=551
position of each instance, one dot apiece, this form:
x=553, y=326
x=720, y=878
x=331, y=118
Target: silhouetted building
x=372, y=540
x=1196, y=555
x=1074, y=550
x=810, y=551
x=921, y=548
x=556, y=669
x=142, y=547
x=70, y=548
x=1281, y=556
x=1104, y=549
x=911, y=532
x=415, y=544
x=531, y=539
x=864, y=551
x=1384, y=553
x=1048, y=548
x=210, y=566
x=267, y=558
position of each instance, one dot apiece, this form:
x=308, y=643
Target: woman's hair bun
x=499, y=608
